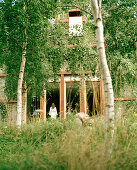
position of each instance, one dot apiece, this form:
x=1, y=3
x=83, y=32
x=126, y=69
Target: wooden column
x=62, y=97
x=43, y=105
x=24, y=105
x=102, y=98
x=83, y=97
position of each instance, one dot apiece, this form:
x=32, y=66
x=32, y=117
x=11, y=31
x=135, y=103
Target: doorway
x=93, y=98
x=72, y=97
x=52, y=96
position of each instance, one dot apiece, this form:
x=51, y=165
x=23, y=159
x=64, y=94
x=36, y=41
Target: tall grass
x=66, y=145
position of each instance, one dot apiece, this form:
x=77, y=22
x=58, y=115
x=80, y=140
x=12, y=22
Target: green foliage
x=17, y=18
x=120, y=36
x=79, y=56
x=3, y=111
x=42, y=58
x=119, y=19
x=47, y=51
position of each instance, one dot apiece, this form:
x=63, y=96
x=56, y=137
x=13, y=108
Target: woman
x=53, y=111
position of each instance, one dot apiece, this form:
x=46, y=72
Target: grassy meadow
x=64, y=145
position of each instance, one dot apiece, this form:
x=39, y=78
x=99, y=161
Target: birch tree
x=23, y=39
x=21, y=77
x=105, y=74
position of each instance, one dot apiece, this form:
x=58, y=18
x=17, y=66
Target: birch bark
x=105, y=74
x=20, y=80
x=19, y=89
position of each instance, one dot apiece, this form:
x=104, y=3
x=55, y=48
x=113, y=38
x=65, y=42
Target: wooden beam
x=102, y=98
x=62, y=97
x=125, y=98
x=73, y=10
x=43, y=105
x=69, y=73
x=3, y=75
x=64, y=73
x=67, y=20
x=83, y=102
x=92, y=45
x=5, y=101
x=24, y=105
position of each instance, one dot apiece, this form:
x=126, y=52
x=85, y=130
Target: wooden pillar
x=43, y=105
x=83, y=97
x=24, y=105
x=62, y=97
x=102, y=98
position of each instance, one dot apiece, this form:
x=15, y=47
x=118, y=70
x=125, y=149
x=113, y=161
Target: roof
x=74, y=10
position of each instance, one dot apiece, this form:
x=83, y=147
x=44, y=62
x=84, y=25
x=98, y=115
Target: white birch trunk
x=105, y=74
x=20, y=80
x=19, y=90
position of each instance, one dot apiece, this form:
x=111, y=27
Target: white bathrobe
x=53, y=112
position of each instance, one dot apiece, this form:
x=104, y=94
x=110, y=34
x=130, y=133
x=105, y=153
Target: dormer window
x=75, y=22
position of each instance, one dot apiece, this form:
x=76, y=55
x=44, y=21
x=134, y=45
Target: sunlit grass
x=66, y=145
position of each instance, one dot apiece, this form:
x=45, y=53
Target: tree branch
x=14, y=40
x=17, y=42
x=115, y=8
x=112, y=8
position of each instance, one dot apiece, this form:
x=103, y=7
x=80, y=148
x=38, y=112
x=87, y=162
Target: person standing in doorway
x=53, y=111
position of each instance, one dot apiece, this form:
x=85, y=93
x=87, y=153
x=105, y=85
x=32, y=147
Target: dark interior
x=74, y=13
x=52, y=97
x=93, y=109
x=34, y=105
x=90, y=102
x=72, y=97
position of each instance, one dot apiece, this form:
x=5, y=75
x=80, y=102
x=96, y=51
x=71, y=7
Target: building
x=87, y=90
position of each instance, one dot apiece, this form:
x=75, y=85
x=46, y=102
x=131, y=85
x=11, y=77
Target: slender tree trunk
x=21, y=76
x=105, y=74
x=19, y=90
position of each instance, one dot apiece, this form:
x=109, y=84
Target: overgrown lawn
x=66, y=145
